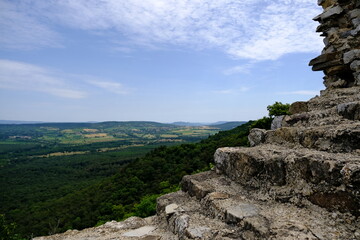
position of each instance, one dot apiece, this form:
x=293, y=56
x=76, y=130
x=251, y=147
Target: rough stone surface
x=130, y=229
x=329, y=13
x=351, y=55
x=340, y=25
x=277, y=122
x=349, y=110
x=355, y=66
x=256, y=136
x=171, y=209
x=140, y=232
x=298, y=107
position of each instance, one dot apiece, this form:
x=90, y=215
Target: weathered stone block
x=326, y=3
x=325, y=58
x=197, y=233
x=351, y=55
x=341, y=201
x=171, y=209
x=355, y=66
x=330, y=12
x=354, y=13
x=334, y=82
x=246, y=168
x=346, y=34
x=256, y=136
x=190, y=184
x=349, y=110
x=355, y=22
x=277, y=122
x=139, y=232
x=322, y=27
x=355, y=32
x=356, y=78
x=325, y=65
x=235, y=214
x=181, y=223
x=295, y=118
x=336, y=70
x=298, y=107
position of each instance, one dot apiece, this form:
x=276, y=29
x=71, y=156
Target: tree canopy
x=278, y=109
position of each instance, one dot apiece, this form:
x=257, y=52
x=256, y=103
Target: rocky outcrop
x=340, y=59
x=299, y=180
x=130, y=229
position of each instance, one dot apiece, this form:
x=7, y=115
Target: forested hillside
x=131, y=191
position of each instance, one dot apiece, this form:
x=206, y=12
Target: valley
x=46, y=165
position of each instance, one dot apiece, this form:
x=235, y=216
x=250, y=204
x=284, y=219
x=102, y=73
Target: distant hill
x=88, y=124
x=189, y=124
x=18, y=122
x=218, y=123
x=224, y=125
x=228, y=125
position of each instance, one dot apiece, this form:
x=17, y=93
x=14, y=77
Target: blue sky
x=155, y=60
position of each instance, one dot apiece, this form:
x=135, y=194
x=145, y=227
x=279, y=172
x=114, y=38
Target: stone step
x=346, y=112
x=338, y=138
x=331, y=138
x=326, y=117
x=330, y=180
x=257, y=216
x=332, y=97
x=133, y=228
x=184, y=217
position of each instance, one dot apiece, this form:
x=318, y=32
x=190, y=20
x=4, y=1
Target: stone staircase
x=299, y=181
x=212, y=206
x=324, y=123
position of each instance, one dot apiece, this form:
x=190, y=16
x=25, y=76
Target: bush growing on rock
x=278, y=109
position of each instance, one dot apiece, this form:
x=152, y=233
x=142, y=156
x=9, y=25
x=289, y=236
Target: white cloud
x=227, y=91
x=239, y=69
x=250, y=29
x=244, y=89
x=232, y=91
x=302, y=92
x=20, y=30
x=114, y=87
x=27, y=77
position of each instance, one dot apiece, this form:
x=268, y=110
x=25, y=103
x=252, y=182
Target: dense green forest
x=79, y=192
x=132, y=190
x=42, y=163
x=82, y=201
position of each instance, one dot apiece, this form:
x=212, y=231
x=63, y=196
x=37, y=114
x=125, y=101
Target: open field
x=63, y=139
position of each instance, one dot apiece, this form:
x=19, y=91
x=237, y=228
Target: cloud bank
x=22, y=76
x=246, y=29
x=20, y=30
x=27, y=77
x=113, y=87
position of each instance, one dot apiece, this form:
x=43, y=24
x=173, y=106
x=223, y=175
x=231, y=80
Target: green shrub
x=7, y=230
x=147, y=206
x=278, y=109
x=263, y=123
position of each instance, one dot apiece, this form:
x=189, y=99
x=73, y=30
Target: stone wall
x=340, y=58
